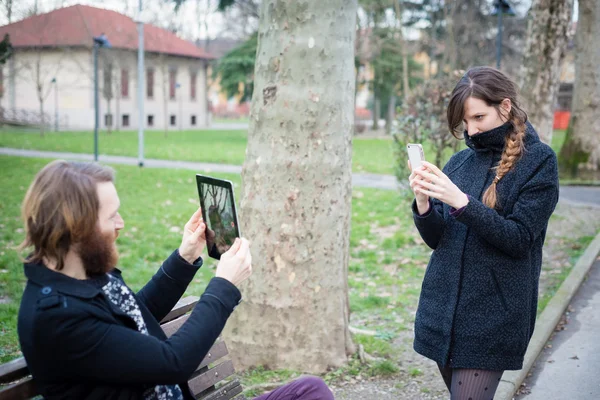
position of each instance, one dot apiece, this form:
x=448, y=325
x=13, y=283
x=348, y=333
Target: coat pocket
x=498, y=290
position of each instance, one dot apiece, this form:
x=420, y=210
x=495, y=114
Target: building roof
x=77, y=25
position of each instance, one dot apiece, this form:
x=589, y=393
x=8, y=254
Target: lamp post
x=140, y=83
x=501, y=7
x=99, y=41
x=55, y=104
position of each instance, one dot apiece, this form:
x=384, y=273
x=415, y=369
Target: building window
x=150, y=83
x=193, y=121
x=125, y=120
x=193, y=86
x=124, y=83
x=150, y=120
x=172, y=84
x=173, y=120
x=108, y=119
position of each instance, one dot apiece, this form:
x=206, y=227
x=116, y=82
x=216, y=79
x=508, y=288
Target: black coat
x=79, y=345
x=478, y=300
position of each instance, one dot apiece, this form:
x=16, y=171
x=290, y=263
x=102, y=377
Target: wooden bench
x=211, y=381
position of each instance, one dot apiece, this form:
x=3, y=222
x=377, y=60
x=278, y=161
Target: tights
x=471, y=384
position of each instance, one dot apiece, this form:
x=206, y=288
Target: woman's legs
x=471, y=384
x=306, y=388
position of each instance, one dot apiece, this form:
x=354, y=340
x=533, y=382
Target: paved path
x=577, y=195
x=570, y=368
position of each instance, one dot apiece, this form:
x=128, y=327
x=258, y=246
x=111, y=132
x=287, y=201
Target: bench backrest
x=207, y=383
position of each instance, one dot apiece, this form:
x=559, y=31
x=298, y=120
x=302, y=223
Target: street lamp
x=99, y=41
x=55, y=104
x=501, y=7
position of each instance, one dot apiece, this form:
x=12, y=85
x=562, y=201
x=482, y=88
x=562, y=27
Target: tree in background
x=298, y=162
x=547, y=40
x=580, y=154
x=237, y=67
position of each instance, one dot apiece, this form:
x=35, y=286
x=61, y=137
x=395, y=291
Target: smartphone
x=219, y=213
x=416, y=156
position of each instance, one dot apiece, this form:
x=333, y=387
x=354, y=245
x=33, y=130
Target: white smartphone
x=416, y=156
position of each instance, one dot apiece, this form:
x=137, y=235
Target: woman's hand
x=194, y=238
x=235, y=264
x=415, y=184
x=434, y=183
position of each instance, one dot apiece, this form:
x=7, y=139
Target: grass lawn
x=210, y=146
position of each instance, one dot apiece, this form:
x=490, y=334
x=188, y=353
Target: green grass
x=575, y=251
x=209, y=146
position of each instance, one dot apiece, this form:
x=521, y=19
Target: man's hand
x=436, y=184
x=194, y=238
x=236, y=263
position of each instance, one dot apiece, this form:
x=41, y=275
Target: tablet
x=219, y=213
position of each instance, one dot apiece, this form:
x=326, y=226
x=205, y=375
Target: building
x=51, y=73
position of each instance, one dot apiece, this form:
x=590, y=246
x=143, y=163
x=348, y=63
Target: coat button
x=46, y=290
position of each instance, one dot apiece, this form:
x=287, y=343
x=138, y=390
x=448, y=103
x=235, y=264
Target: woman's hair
x=61, y=208
x=492, y=86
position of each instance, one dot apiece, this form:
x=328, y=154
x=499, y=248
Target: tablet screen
x=219, y=213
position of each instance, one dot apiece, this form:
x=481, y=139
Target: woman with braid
x=485, y=216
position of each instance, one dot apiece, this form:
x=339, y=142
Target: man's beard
x=98, y=253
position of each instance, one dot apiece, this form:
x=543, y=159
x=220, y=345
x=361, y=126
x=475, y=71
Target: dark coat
x=79, y=345
x=478, y=300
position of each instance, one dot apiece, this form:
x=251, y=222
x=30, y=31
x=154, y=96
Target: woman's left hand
x=437, y=185
x=194, y=238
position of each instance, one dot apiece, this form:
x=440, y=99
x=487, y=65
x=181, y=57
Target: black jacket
x=478, y=300
x=78, y=345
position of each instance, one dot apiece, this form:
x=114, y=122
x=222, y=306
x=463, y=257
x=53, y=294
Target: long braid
x=513, y=150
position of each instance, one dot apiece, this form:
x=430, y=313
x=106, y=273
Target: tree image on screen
x=220, y=216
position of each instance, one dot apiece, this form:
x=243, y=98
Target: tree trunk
x=580, y=154
x=449, y=58
x=42, y=127
x=544, y=52
x=376, y=110
x=391, y=114
x=108, y=112
x=296, y=191
x=405, y=86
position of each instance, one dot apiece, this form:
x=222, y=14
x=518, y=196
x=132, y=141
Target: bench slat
x=23, y=390
x=183, y=306
x=225, y=392
x=218, y=351
x=13, y=371
x=211, y=377
x=169, y=328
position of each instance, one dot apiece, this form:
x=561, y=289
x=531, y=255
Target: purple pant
x=306, y=388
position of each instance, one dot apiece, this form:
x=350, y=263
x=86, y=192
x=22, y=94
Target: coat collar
x=43, y=276
x=493, y=140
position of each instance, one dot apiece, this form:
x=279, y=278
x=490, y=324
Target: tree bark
x=391, y=114
x=580, y=154
x=296, y=189
x=544, y=53
x=376, y=110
